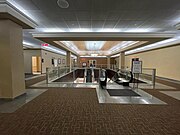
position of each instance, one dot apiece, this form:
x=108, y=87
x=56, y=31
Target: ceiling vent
x=63, y=3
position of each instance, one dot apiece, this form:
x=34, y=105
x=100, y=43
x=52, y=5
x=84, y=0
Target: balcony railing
x=148, y=74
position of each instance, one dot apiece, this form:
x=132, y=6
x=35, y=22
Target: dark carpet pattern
x=77, y=112
x=122, y=92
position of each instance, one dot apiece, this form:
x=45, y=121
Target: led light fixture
x=94, y=45
x=63, y=3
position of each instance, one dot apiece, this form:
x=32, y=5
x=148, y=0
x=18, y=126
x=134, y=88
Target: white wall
x=28, y=59
x=48, y=56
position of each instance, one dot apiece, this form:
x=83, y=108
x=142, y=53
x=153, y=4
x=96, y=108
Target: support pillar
x=12, y=80
x=122, y=60
x=78, y=61
x=68, y=60
x=108, y=62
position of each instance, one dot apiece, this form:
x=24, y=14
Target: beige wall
x=12, y=82
x=100, y=61
x=28, y=59
x=165, y=60
x=48, y=56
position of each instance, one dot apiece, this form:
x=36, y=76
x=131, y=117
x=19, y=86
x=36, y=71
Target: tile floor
x=104, y=97
x=174, y=94
x=12, y=105
x=144, y=98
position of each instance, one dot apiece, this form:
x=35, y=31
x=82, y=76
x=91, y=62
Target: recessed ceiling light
x=63, y=3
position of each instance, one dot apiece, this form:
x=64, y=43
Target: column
x=78, y=61
x=122, y=60
x=68, y=60
x=108, y=62
x=12, y=83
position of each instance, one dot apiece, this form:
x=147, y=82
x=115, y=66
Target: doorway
x=36, y=65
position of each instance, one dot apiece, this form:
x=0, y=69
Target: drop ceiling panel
x=109, y=24
x=61, y=24
x=99, y=15
x=85, y=24
x=83, y=16
x=69, y=16
x=82, y=5
x=113, y=16
x=97, y=24
x=28, y=4
x=46, y=5
x=125, y=24
x=72, y=24
x=102, y=10
x=105, y=5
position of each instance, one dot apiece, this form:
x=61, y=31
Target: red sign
x=44, y=44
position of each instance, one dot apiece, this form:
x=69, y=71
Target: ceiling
x=81, y=45
x=101, y=16
x=96, y=15
x=101, y=48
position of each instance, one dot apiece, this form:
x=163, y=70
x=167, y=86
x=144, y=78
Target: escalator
x=89, y=75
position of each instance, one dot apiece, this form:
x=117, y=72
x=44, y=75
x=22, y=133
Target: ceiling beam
x=8, y=11
x=101, y=36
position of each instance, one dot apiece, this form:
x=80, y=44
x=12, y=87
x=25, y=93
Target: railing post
x=47, y=75
x=73, y=75
x=58, y=71
x=99, y=74
x=154, y=78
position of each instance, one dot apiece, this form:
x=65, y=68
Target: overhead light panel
x=94, y=45
x=63, y=3
x=164, y=43
x=117, y=55
x=94, y=54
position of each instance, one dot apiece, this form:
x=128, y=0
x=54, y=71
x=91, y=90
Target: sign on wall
x=44, y=44
x=137, y=67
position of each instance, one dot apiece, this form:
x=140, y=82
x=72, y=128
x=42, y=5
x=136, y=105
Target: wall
x=99, y=61
x=112, y=61
x=165, y=60
x=28, y=59
x=47, y=59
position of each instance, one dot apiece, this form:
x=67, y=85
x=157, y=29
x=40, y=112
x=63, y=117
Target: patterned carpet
x=77, y=112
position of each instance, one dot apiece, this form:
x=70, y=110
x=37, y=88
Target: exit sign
x=44, y=44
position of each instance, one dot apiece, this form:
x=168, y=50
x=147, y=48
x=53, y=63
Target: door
x=36, y=65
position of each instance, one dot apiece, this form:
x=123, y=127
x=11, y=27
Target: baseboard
x=10, y=99
x=168, y=79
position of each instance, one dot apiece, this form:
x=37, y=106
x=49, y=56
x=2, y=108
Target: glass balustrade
x=92, y=74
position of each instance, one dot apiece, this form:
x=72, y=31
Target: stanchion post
x=47, y=75
x=154, y=78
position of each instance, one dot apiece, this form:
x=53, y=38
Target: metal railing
x=148, y=75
